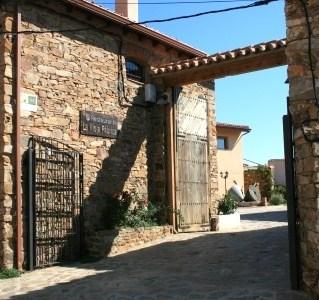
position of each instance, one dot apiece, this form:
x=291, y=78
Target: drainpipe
x=17, y=153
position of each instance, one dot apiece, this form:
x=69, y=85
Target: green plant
x=165, y=211
x=140, y=216
x=9, y=273
x=129, y=210
x=115, y=209
x=281, y=190
x=227, y=205
x=277, y=199
x=265, y=173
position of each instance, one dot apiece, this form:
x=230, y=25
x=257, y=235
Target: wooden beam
x=171, y=160
x=245, y=64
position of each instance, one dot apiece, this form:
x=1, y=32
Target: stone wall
x=212, y=154
x=106, y=243
x=303, y=109
x=75, y=71
x=252, y=176
x=6, y=149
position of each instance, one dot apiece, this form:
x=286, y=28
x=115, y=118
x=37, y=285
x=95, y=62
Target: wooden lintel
x=245, y=64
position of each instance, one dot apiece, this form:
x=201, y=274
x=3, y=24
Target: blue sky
x=255, y=99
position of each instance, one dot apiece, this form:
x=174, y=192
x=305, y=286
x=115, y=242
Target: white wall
x=278, y=170
x=230, y=160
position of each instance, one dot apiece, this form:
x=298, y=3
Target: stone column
x=6, y=148
x=304, y=112
x=212, y=136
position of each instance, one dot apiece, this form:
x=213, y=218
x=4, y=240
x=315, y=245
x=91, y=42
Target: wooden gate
x=192, y=177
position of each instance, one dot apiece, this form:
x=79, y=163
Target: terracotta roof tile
x=219, y=57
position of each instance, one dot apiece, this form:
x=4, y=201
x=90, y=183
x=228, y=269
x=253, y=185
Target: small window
x=222, y=143
x=134, y=70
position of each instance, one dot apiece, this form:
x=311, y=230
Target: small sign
x=98, y=124
x=29, y=102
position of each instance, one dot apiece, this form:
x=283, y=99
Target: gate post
x=294, y=261
x=302, y=52
x=82, y=238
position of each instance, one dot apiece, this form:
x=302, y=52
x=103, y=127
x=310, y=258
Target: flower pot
x=227, y=222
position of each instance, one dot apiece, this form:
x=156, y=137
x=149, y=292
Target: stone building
x=230, y=156
x=84, y=70
x=76, y=68
x=277, y=166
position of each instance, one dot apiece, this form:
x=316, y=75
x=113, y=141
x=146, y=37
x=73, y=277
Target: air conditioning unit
x=150, y=93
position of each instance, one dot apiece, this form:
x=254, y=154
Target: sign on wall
x=29, y=102
x=98, y=124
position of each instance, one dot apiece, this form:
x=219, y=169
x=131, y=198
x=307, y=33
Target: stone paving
x=249, y=263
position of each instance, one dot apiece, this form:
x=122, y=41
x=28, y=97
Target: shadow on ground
x=241, y=265
x=278, y=216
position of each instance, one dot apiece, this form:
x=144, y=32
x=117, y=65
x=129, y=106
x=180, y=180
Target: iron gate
x=55, y=189
x=292, y=203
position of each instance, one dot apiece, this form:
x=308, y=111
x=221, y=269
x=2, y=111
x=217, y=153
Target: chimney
x=127, y=8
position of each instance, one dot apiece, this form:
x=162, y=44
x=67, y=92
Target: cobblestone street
x=249, y=263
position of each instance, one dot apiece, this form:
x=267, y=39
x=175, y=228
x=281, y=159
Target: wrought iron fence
x=55, y=202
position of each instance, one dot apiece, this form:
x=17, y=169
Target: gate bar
x=30, y=209
x=81, y=186
x=294, y=260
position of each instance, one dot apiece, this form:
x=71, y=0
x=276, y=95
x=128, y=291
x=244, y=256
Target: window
x=222, y=143
x=134, y=70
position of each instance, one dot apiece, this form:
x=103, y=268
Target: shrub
x=140, y=216
x=265, y=173
x=277, y=199
x=227, y=205
x=129, y=210
x=115, y=210
x=9, y=273
x=281, y=190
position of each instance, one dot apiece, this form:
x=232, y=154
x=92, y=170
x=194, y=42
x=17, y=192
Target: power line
x=254, y=4
x=176, y=2
x=256, y=163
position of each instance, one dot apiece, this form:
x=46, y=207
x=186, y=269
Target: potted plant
x=227, y=216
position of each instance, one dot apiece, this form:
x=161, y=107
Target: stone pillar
x=6, y=148
x=212, y=137
x=305, y=111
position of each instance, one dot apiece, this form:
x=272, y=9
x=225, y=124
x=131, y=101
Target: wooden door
x=192, y=177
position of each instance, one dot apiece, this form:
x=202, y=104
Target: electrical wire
x=256, y=163
x=175, y=2
x=254, y=4
x=170, y=2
